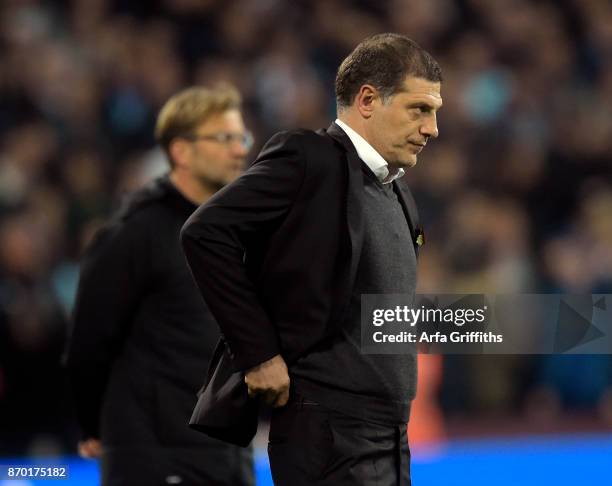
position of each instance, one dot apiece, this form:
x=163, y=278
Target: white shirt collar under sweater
x=370, y=156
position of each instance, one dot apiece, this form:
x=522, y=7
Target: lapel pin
x=419, y=237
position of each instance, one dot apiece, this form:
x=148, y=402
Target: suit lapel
x=354, y=201
x=410, y=210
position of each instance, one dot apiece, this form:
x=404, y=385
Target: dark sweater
x=376, y=388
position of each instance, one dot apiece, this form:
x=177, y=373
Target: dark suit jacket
x=275, y=253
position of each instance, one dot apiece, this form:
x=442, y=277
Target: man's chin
x=213, y=184
x=405, y=163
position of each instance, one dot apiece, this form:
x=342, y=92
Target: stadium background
x=515, y=195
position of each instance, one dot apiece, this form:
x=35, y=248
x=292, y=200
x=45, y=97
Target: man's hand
x=90, y=448
x=270, y=379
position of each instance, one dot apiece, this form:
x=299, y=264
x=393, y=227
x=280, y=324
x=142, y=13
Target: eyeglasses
x=245, y=139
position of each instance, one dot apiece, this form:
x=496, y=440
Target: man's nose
x=238, y=149
x=430, y=127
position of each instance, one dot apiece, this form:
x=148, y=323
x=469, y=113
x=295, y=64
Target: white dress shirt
x=370, y=156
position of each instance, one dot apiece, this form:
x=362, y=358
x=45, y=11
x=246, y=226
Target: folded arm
x=216, y=238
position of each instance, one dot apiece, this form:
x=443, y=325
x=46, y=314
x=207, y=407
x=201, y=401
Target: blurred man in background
x=142, y=335
x=283, y=255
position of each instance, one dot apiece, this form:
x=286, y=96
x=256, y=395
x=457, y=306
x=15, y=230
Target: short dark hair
x=384, y=61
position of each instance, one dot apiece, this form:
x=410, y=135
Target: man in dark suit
x=283, y=254
x=142, y=335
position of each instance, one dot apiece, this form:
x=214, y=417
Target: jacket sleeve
x=218, y=235
x=111, y=283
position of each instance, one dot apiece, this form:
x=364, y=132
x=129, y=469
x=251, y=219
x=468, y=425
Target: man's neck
x=353, y=122
x=191, y=189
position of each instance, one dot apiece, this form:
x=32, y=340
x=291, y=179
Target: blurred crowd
x=515, y=195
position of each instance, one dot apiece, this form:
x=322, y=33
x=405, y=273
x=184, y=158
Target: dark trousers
x=312, y=445
x=156, y=466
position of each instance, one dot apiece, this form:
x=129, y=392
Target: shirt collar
x=370, y=156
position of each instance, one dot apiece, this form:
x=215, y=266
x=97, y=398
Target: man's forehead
x=414, y=87
x=221, y=119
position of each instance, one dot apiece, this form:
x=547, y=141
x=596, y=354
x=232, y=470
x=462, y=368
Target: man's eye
x=420, y=109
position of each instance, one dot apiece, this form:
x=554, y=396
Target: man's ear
x=179, y=150
x=366, y=100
